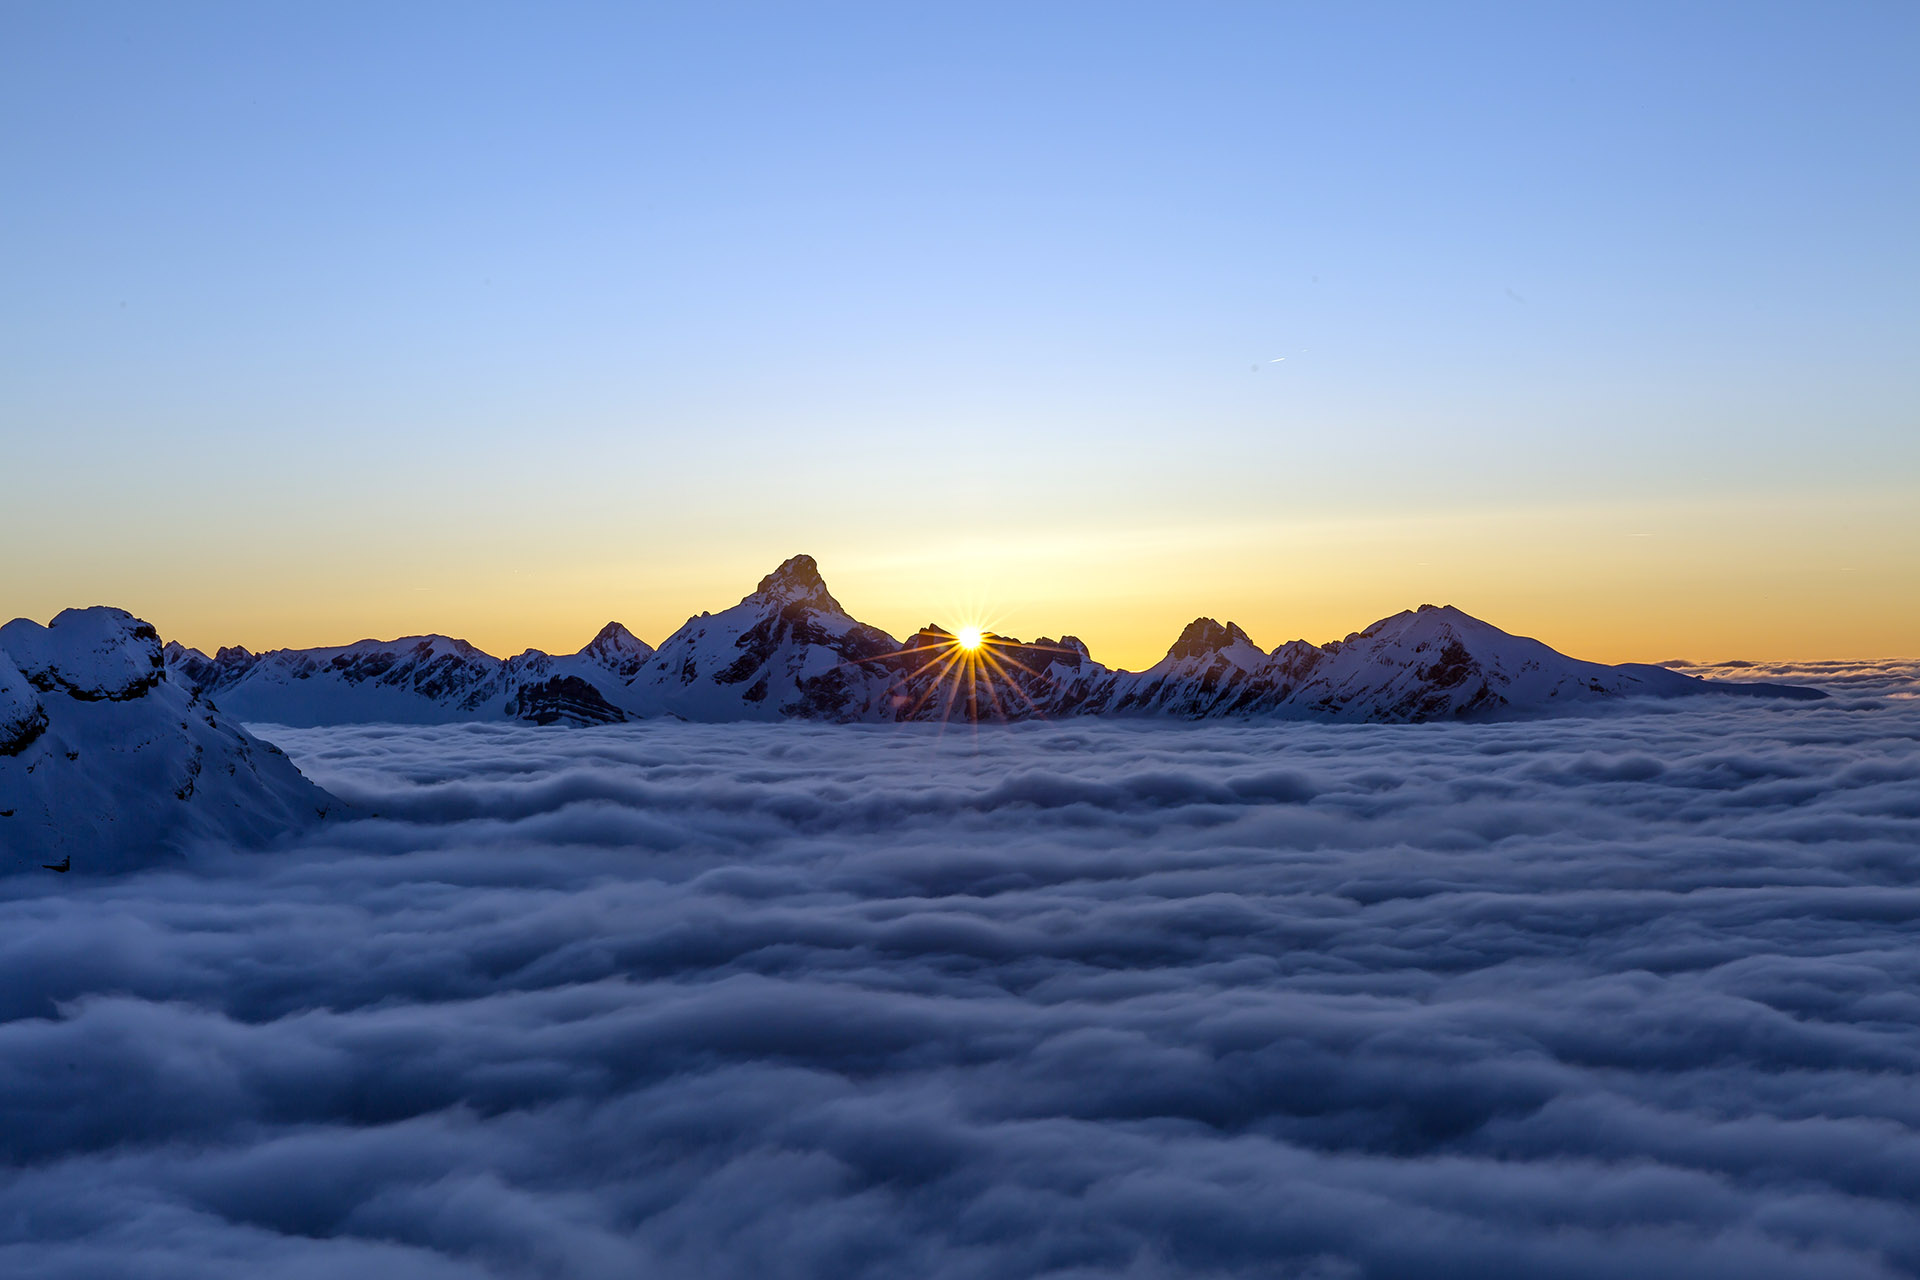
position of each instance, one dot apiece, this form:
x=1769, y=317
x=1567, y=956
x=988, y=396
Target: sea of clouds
x=1635, y=994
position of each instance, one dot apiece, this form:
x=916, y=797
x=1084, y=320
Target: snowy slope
x=107, y=763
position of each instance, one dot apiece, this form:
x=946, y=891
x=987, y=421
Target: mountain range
x=116, y=750
x=790, y=650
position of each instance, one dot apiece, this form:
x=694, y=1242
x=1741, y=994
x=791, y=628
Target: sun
x=968, y=638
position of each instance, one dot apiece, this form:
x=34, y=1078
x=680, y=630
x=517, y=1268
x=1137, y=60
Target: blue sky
x=498, y=320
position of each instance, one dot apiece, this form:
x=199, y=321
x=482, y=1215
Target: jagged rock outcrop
x=563, y=700
x=107, y=766
x=197, y=671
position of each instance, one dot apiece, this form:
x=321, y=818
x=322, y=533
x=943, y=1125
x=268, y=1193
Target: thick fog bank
x=1636, y=995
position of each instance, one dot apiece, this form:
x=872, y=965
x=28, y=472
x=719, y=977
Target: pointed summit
x=788, y=650
x=797, y=581
x=1204, y=636
x=618, y=650
x=614, y=638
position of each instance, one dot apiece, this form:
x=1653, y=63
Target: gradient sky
x=327, y=321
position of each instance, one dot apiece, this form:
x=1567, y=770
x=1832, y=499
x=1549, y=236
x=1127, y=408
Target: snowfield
x=1634, y=994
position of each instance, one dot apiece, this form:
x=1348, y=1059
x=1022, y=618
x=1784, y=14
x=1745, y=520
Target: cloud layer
x=1634, y=995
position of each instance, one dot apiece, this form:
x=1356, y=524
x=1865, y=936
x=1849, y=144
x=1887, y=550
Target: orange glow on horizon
x=1764, y=578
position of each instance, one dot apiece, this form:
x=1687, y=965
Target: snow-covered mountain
x=415, y=680
x=1430, y=663
x=105, y=765
x=1211, y=670
x=114, y=750
x=588, y=687
x=1435, y=663
x=789, y=650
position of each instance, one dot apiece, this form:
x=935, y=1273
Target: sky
x=327, y=322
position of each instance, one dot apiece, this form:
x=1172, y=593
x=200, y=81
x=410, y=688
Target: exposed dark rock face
x=567, y=699
x=1204, y=637
x=795, y=625
x=207, y=676
x=1454, y=669
x=798, y=581
x=432, y=667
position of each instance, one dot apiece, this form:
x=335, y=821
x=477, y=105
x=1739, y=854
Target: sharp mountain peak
x=797, y=581
x=1204, y=635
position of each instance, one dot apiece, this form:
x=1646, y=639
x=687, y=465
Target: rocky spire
x=618, y=650
x=797, y=581
x=1204, y=636
x=614, y=638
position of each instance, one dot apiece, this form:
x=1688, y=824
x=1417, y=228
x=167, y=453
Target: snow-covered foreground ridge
x=106, y=764
x=789, y=650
